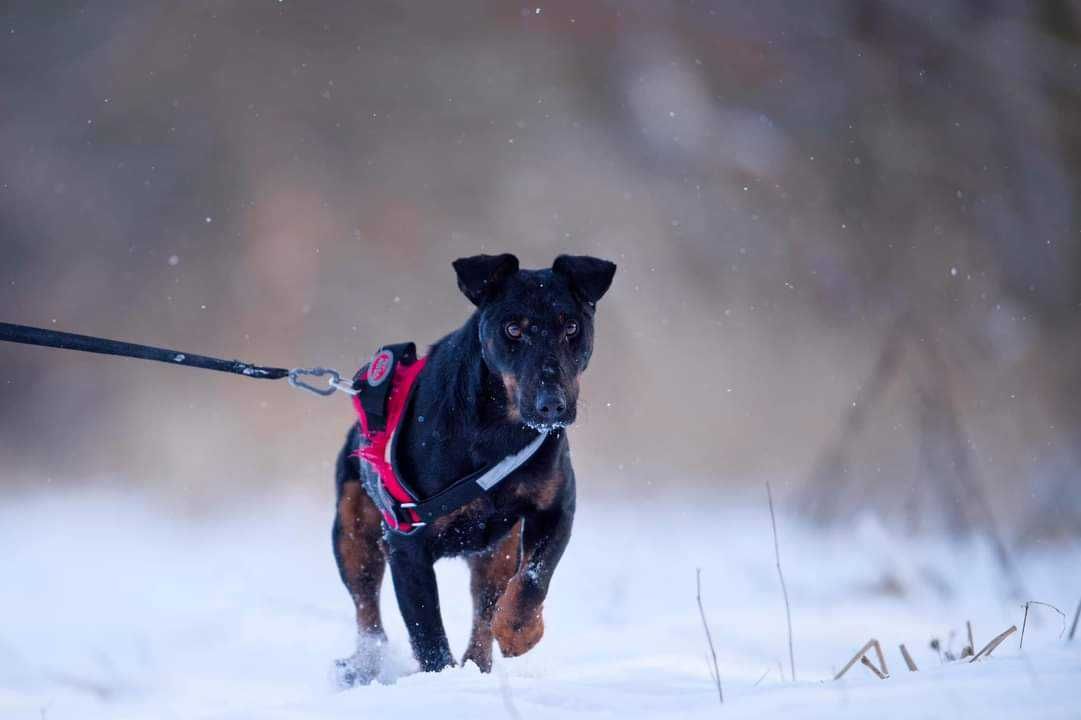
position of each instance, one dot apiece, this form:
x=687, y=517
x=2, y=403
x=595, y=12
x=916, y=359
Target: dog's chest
x=478, y=525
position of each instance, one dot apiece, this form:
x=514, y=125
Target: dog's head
x=536, y=329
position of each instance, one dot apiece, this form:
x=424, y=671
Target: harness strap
x=27, y=335
x=475, y=485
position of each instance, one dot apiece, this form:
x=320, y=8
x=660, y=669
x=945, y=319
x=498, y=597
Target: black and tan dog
x=486, y=391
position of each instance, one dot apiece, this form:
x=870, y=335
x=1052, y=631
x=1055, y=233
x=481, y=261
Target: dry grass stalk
x=871, y=666
x=861, y=653
x=715, y=672
x=908, y=659
x=971, y=640
x=936, y=645
x=1047, y=605
x=1076, y=615
x=990, y=647
x=881, y=658
x=784, y=589
x=508, y=698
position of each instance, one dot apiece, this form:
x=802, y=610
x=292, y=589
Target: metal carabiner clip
x=295, y=381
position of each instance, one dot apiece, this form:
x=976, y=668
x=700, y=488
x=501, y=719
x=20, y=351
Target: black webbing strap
x=69, y=341
x=460, y=494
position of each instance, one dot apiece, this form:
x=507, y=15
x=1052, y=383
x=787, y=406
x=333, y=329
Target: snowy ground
x=112, y=610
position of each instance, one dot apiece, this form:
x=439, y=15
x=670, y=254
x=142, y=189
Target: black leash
x=70, y=341
x=460, y=493
x=27, y=335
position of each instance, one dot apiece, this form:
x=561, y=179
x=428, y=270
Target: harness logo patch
x=379, y=368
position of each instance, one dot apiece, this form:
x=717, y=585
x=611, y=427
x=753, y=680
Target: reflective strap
x=476, y=485
x=509, y=464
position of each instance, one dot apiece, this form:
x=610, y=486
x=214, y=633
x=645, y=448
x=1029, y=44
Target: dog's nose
x=551, y=405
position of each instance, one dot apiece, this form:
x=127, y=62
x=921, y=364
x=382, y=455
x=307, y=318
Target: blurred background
x=848, y=236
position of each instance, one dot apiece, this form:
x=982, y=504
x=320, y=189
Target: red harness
x=383, y=389
x=381, y=433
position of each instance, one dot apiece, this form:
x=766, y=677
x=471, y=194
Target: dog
x=495, y=385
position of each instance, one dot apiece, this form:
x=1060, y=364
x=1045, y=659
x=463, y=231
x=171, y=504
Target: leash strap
x=27, y=335
x=463, y=491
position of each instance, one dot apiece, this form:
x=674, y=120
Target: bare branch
x=759, y=680
x=1024, y=624
x=714, y=671
x=871, y=666
x=1076, y=615
x=990, y=647
x=1047, y=605
x=872, y=643
x=908, y=659
x=881, y=657
x=784, y=589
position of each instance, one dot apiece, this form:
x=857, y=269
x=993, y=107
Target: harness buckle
x=405, y=518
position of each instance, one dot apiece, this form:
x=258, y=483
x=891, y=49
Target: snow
x=115, y=609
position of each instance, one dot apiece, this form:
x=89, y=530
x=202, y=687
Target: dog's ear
x=590, y=277
x=481, y=276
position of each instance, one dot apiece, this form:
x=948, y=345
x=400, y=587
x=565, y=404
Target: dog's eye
x=571, y=328
x=513, y=330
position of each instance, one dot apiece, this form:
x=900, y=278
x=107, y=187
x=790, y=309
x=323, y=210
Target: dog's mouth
x=547, y=426
x=538, y=422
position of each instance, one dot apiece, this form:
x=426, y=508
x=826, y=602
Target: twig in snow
x=508, y=698
x=714, y=671
x=1076, y=615
x=990, y=647
x=784, y=590
x=855, y=658
x=908, y=659
x=712, y=674
x=948, y=650
x=881, y=657
x=862, y=652
x=971, y=641
x=871, y=666
x=100, y=690
x=759, y=680
x=1037, y=602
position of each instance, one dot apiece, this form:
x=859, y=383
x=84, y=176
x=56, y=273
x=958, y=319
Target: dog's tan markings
x=441, y=524
x=489, y=575
x=542, y=491
x=363, y=558
x=518, y=625
x=510, y=384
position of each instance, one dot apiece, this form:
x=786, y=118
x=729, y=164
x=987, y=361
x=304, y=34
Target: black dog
x=487, y=390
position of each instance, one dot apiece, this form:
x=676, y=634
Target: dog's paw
x=480, y=658
x=517, y=632
x=361, y=667
x=348, y=673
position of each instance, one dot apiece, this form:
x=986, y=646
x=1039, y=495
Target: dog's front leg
x=518, y=623
x=413, y=571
